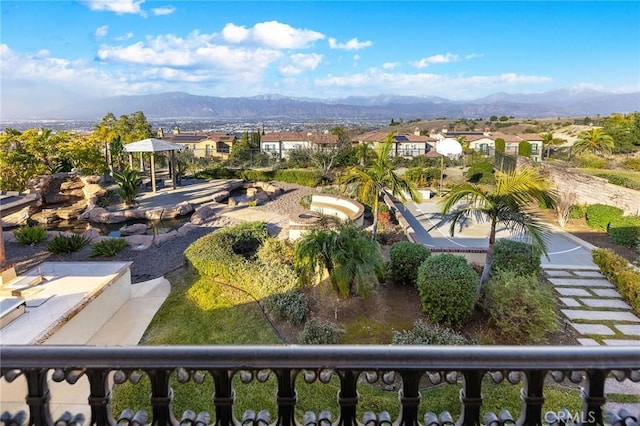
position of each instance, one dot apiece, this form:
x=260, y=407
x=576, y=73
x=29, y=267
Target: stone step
x=580, y=282
x=578, y=314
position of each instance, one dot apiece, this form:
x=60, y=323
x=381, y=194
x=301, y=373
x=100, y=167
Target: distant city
x=204, y=125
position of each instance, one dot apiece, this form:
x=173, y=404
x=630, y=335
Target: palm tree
x=370, y=182
x=593, y=140
x=352, y=260
x=506, y=204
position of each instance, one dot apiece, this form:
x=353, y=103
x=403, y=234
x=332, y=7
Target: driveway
x=433, y=231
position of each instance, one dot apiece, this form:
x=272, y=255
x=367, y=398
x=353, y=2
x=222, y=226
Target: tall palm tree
x=370, y=182
x=506, y=204
x=593, y=140
x=351, y=260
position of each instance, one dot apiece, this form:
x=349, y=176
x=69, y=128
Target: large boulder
x=204, y=213
x=134, y=229
x=46, y=216
x=139, y=242
x=72, y=212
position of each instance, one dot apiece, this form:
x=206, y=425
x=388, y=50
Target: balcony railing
x=408, y=367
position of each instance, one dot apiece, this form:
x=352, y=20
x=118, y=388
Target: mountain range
x=557, y=103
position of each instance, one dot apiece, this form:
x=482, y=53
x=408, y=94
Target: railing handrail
x=358, y=357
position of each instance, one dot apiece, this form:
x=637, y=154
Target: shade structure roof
x=449, y=146
x=152, y=145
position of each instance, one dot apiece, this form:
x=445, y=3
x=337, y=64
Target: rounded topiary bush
x=404, y=260
x=447, y=286
x=481, y=172
x=600, y=215
x=291, y=306
x=425, y=334
x=516, y=256
x=578, y=211
x=625, y=230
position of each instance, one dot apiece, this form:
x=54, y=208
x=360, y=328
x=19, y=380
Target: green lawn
x=199, y=311
x=625, y=178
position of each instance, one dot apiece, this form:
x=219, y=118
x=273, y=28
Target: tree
x=549, y=140
x=370, y=182
x=507, y=204
x=464, y=143
x=352, y=260
x=625, y=131
x=595, y=141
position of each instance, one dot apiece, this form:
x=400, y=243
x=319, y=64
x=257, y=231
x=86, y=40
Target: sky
x=52, y=50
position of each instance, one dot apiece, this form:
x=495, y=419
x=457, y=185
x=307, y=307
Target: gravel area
x=155, y=261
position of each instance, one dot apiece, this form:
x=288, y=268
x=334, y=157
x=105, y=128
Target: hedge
x=305, y=177
x=624, y=276
x=524, y=149
x=625, y=231
x=404, y=260
x=228, y=255
x=600, y=215
x=515, y=256
x=481, y=172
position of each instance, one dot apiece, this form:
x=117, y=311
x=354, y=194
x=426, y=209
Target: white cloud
x=119, y=7
x=124, y=37
x=300, y=62
x=101, y=31
x=272, y=34
x=353, y=44
x=235, y=34
x=390, y=65
x=161, y=11
x=436, y=59
x=473, y=55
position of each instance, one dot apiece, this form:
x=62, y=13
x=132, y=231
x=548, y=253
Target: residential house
x=281, y=144
x=486, y=143
x=536, y=144
x=404, y=144
x=203, y=144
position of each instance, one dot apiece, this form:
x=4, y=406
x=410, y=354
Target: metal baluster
x=286, y=398
x=593, y=397
x=532, y=398
x=348, y=398
x=161, y=397
x=38, y=397
x=223, y=398
x=471, y=398
x=100, y=397
x=409, y=397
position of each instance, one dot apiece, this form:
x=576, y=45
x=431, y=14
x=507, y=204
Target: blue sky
x=457, y=50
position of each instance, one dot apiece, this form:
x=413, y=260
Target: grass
x=624, y=178
x=199, y=311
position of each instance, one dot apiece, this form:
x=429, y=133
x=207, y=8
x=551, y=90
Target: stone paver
x=587, y=274
x=605, y=303
x=578, y=314
x=570, y=291
x=591, y=329
x=629, y=329
x=606, y=292
x=558, y=274
x=621, y=342
x=570, y=302
x=584, y=341
x=580, y=282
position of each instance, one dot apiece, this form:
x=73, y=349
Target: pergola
x=152, y=146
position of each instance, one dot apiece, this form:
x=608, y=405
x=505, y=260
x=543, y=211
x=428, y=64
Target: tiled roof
x=380, y=135
x=505, y=136
x=193, y=137
x=318, y=138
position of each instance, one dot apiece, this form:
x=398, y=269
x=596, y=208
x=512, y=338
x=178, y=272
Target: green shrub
x=404, y=260
x=422, y=176
x=108, y=248
x=318, y=332
x=291, y=306
x=275, y=250
x=520, y=307
x=500, y=145
x=218, y=173
x=129, y=183
x=625, y=231
x=515, y=256
x=30, y=234
x=620, y=180
x=578, y=211
x=591, y=161
x=600, y=215
x=228, y=255
x=305, y=177
x=424, y=334
x=619, y=273
x=62, y=244
x=524, y=149
x=481, y=172
x=632, y=164
x=105, y=199
x=447, y=288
